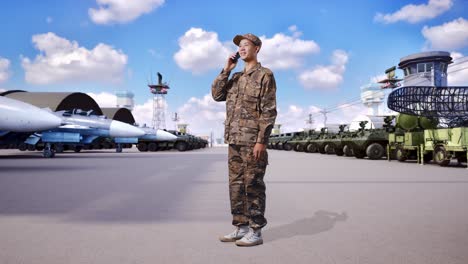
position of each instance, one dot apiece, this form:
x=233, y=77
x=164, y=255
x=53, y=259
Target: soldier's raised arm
x=267, y=109
x=221, y=84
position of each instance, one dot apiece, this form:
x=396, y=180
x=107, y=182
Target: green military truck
x=406, y=139
x=445, y=144
x=367, y=142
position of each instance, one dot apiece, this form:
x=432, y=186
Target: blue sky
x=321, y=52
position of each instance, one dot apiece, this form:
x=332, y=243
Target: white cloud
x=294, y=119
x=121, y=11
x=416, y=13
x=326, y=77
x=458, y=70
x=61, y=60
x=201, y=51
x=295, y=31
x=4, y=69
x=283, y=52
x=143, y=113
x=449, y=36
x=104, y=99
x=204, y=115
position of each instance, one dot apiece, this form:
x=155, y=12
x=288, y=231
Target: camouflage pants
x=246, y=186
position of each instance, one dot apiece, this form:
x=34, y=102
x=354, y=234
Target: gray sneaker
x=252, y=238
x=235, y=235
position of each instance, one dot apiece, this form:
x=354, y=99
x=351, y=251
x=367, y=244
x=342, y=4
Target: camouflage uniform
x=250, y=114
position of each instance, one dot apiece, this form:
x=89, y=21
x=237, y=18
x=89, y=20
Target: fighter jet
x=17, y=116
x=82, y=127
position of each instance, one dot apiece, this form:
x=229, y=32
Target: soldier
x=250, y=98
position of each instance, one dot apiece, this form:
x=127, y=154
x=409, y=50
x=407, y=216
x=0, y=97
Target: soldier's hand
x=259, y=150
x=230, y=64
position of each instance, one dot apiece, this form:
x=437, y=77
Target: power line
x=357, y=100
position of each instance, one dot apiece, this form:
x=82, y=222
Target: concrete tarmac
x=170, y=207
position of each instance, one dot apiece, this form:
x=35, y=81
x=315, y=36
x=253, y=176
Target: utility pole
x=211, y=139
x=176, y=119
x=310, y=121
x=324, y=112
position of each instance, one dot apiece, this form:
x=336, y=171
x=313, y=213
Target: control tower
x=372, y=96
x=159, y=103
x=426, y=68
x=125, y=99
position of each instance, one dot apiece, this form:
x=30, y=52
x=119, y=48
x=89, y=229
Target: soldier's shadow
x=321, y=221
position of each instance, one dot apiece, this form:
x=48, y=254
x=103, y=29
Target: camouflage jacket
x=250, y=104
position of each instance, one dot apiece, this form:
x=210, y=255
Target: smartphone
x=236, y=57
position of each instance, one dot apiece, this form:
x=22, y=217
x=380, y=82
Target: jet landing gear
x=48, y=152
x=118, y=148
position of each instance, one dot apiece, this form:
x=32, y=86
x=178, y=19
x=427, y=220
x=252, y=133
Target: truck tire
x=339, y=152
x=181, y=146
x=152, y=147
x=299, y=148
x=401, y=155
x=22, y=147
x=348, y=151
x=329, y=149
x=142, y=147
x=287, y=146
x=375, y=151
x=311, y=148
x=440, y=156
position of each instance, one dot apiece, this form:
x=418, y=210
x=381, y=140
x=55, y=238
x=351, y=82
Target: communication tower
x=159, y=103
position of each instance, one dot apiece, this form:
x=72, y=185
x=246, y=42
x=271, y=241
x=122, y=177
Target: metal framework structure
x=159, y=103
x=448, y=103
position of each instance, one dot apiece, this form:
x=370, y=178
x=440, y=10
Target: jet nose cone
x=120, y=129
x=164, y=135
x=45, y=120
x=19, y=116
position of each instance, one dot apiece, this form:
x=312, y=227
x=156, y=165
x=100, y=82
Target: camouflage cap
x=255, y=40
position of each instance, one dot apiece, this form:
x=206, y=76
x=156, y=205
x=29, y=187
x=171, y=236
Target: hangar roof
x=56, y=101
x=119, y=114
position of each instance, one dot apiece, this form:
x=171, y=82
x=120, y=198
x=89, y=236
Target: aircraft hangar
x=119, y=114
x=56, y=101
